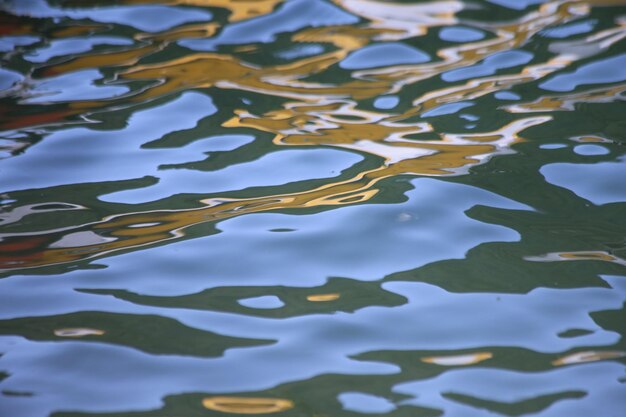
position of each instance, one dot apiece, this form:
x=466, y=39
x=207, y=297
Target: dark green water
x=312, y=208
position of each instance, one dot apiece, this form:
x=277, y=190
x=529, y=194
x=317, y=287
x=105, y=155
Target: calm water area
x=312, y=208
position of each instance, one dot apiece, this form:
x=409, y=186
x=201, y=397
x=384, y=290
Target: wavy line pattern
x=312, y=207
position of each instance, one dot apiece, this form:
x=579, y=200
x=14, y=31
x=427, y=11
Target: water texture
x=312, y=208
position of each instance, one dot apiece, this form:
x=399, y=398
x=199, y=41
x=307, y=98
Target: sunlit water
x=312, y=208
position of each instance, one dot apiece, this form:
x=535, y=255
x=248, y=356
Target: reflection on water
x=459, y=360
x=312, y=208
x=77, y=332
x=244, y=405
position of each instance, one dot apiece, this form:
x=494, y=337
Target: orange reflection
x=239, y=9
x=317, y=298
x=452, y=155
x=287, y=81
x=591, y=138
x=588, y=356
x=578, y=256
x=459, y=360
x=316, y=113
x=566, y=102
x=247, y=405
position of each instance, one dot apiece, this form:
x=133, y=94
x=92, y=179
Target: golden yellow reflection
x=193, y=30
x=591, y=138
x=454, y=154
x=239, y=9
x=578, y=256
x=149, y=43
x=286, y=80
x=458, y=360
x=567, y=102
x=508, y=35
x=593, y=256
x=78, y=332
x=321, y=114
x=115, y=58
x=323, y=297
x=588, y=356
x=230, y=72
x=247, y=405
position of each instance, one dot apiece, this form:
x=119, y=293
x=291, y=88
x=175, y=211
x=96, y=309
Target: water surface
x=312, y=208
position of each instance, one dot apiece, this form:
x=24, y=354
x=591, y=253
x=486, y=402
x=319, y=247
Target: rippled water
x=312, y=208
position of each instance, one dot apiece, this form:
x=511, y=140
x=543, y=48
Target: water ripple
x=312, y=208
